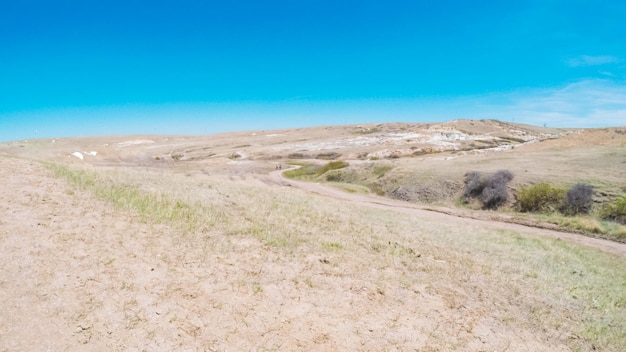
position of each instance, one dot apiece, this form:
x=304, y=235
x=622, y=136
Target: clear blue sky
x=71, y=68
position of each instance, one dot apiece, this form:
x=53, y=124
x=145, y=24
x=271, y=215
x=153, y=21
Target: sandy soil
x=78, y=275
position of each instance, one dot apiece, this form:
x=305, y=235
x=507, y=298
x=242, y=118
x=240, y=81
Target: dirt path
x=442, y=214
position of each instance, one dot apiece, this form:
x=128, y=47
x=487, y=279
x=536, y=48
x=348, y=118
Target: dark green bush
x=540, y=197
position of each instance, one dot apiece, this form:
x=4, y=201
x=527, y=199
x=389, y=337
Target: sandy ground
x=78, y=275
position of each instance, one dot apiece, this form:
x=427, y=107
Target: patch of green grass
x=381, y=170
x=151, y=207
x=615, y=210
x=585, y=224
x=80, y=178
x=333, y=165
x=365, y=131
x=310, y=171
x=333, y=245
x=306, y=170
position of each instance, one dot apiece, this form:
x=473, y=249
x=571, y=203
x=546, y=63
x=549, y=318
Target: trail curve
x=444, y=214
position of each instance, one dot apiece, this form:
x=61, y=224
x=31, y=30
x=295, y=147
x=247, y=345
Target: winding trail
x=444, y=214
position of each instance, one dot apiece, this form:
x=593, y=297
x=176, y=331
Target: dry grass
x=590, y=225
x=477, y=279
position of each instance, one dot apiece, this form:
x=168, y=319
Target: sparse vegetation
x=378, y=239
x=512, y=139
x=328, y=156
x=584, y=224
x=367, y=130
x=381, y=170
x=305, y=170
x=615, y=211
x=151, y=207
x=298, y=156
x=404, y=194
x=231, y=229
x=333, y=165
x=310, y=171
x=334, y=177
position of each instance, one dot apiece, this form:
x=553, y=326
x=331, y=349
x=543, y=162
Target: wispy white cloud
x=588, y=60
x=582, y=104
x=589, y=103
x=607, y=74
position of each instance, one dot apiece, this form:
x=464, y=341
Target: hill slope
x=173, y=243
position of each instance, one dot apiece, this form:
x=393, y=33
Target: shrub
x=492, y=191
x=494, y=196
x=578, y=199
x=475, y=183
x=540, y=197
x=496, y=193
x=615, y=211
x=404, y=194
x=502, y=176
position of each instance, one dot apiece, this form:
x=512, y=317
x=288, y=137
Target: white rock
x=79, y=155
